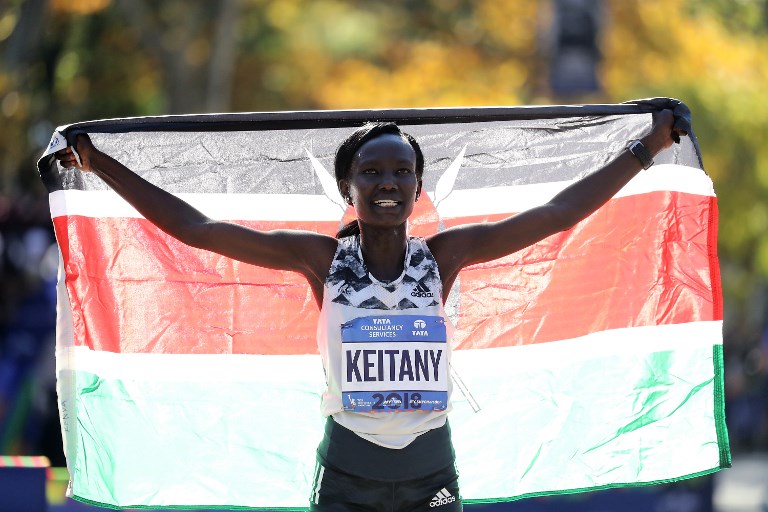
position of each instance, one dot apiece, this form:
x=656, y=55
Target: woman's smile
x=386, y=203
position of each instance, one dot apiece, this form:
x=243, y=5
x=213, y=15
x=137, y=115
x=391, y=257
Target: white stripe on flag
x=268, y=207
x=499, y=200
x=195, y=367
x=631, y=341
x=305, y=207
x=274, y=368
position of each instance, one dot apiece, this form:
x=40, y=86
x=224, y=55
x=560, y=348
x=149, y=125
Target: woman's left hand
x=663, y=132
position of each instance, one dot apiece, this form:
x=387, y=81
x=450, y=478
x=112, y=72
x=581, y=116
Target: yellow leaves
x=514, y=24
x=7, y=24
x=663, y=14
x=68, y=66
x=512, y=74
x=283, y=14
x=10, y=104
x=655, y=42
x=724, y=58
x=755, y=220
x=198, y=52
x=761, y=257
x=429, y=74
x=73, y=87
x=382, y=56
x=332, y=27
x=80, y=6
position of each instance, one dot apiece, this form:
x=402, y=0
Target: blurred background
x=65, y=61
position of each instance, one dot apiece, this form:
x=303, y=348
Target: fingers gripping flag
x=589, y=360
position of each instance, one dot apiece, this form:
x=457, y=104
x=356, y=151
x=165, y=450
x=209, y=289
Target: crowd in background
x=29, y=423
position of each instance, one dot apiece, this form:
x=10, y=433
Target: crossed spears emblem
x=443, y=188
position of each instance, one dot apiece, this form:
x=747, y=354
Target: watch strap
x=641, y=153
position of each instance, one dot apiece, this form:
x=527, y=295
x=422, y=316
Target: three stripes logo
x=421, y=291
x=443, y=497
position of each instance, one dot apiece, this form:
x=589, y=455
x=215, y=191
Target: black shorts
x=349, y=453
x=335, y=491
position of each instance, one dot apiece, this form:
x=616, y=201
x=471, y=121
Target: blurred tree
x=195, y=46
x=436, y=53
x=23, y=88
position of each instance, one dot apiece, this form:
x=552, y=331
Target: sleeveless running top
x=385, y=347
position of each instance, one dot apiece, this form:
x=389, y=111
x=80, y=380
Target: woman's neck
x=384, y=251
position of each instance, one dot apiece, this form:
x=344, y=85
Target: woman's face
x=382, y=182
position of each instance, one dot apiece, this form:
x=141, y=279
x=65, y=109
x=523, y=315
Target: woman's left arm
x=465, y=245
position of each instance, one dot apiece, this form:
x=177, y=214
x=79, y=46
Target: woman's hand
x=85, y=149
x=663, y=132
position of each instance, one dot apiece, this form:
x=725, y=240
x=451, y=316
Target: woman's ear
x=344, y=189
x=418, y=191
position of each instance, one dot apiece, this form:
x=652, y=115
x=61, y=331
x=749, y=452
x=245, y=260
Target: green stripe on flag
x=198, y=443
x=720, y=424
x=580, y=423
x=600, y=422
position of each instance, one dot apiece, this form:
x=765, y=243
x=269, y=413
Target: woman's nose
x=388, y=181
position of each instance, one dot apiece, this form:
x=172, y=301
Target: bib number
x=394, y=363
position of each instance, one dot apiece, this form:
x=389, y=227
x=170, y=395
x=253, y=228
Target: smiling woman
x=383, y=333
x=378, y=171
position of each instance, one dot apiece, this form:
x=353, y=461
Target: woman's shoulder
x=349, y=243
x=347, y=251
x=320, y=251
x=419, y=249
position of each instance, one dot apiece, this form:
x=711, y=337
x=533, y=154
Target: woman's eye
x=369, y=171
x=405, y=170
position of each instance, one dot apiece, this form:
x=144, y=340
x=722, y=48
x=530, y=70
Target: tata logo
x=420, y=328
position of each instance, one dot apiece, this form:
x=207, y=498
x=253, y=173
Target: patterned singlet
x=385, y=347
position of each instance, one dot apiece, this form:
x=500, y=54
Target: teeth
x=386, y=203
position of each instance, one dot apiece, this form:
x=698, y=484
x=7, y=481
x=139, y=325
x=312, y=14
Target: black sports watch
x=641, y=152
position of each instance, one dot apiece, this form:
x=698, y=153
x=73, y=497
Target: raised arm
x=476, y=243
x=301, y=251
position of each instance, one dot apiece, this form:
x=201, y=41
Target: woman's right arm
x=301, y=251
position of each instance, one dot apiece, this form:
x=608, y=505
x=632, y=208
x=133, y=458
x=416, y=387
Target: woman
x=383, y=337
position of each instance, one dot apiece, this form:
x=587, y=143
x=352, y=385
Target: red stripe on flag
x=714, y=263
x=627, y=265
x=134, y=289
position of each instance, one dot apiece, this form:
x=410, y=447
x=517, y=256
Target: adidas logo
x=443, y=497
x=421, y=291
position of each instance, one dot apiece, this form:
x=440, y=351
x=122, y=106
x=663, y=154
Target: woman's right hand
x=85, y=150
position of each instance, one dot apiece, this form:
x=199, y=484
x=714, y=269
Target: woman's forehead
x=387, y=146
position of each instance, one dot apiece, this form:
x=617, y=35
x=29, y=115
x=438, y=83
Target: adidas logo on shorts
x=443, y=497
x=421, y=291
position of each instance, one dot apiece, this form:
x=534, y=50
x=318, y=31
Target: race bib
x=394, y=363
